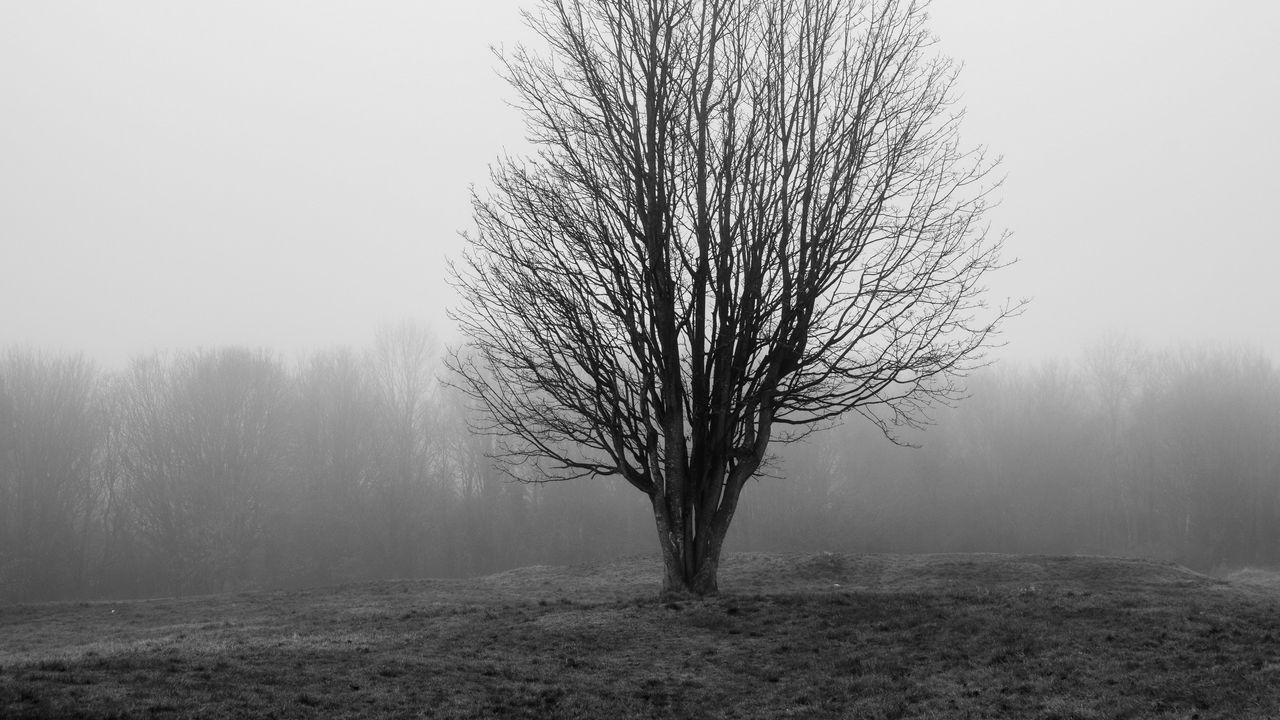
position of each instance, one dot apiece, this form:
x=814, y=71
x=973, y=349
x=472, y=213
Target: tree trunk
x=689, y=568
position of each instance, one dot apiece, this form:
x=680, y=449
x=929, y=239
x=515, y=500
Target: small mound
x=621, y=579
x=942, y=572
x=1256, y=579
x=525, y=575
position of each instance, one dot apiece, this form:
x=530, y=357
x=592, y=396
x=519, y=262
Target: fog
x=202, y=205
x=229, y=469
x=177, y=176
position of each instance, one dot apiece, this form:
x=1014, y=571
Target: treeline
x=1173, y=455
x=231, y=469
x=226, y=469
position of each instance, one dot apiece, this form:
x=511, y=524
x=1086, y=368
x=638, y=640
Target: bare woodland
x=293, y=477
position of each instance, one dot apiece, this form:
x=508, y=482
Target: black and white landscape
x=639, y=358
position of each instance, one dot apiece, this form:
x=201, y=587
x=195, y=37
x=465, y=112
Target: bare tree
x=334, y=462
x=406, y=492
x=202, y=446
x=744, y=217
x=52, y=432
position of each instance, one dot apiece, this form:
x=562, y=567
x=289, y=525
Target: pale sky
x=292, y=175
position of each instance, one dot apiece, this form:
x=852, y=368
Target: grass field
x=817, y=636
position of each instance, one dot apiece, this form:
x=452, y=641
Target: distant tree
x=490, y=504
x=405, y=490
x=203, y=444
x=744, y=217
x=332, y=461
x=1116, y=368
x=52, y=433
x=1209, y=433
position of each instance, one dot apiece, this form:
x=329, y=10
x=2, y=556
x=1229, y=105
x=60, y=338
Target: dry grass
x=812, y=636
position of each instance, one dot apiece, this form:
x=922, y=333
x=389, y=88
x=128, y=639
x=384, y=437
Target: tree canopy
x=742, y=218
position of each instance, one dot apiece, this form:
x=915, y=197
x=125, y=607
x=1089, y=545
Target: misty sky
x=293, y=175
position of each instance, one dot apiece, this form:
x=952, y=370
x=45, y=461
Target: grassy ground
x=825, y=636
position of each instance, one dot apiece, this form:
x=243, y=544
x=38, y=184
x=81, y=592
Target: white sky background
x=292, y=175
